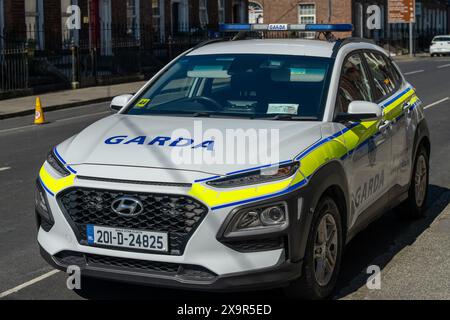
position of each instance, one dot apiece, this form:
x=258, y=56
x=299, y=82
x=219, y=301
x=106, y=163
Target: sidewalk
x=421, y=270
x=65, y=99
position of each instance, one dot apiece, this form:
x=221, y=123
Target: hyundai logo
x=127, y=206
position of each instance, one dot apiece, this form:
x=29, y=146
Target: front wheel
x=413, y=207
x=323, y=254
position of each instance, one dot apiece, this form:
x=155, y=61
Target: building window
x=203, y=13
x=69, y=35
x=133, y=19
x=156, y=15
x=2, y=24
x=221, y=9
x=255, y=12
x=34, y=21
x=307, y=15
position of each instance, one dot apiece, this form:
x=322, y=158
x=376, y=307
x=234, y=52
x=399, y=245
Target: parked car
x=440, y=46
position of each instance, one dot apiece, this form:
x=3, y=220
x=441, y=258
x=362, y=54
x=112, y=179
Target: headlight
x=261, y=219
x=42, y=208
x=56, y=164
x=256, y=177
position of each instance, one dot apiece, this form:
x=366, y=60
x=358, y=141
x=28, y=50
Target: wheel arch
x=330, y=180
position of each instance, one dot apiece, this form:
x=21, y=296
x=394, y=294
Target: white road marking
x=83, y=116
x=5, y=168
x=28, y=283
x=413, y=72
x=435, y=103
x=60, y=120
x=444, y=66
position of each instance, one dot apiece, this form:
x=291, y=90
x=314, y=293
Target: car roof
x=297, y=47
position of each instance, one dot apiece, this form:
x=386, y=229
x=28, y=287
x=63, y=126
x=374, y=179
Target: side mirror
x=359, y=111
x=119, y=102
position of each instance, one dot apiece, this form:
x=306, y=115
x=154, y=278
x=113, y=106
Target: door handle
x=407, y=106
x=385, y=125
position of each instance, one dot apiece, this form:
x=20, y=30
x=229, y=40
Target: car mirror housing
x=359, y=111
x=119, y=102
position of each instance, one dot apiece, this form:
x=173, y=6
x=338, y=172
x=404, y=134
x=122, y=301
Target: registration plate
x=127, y=238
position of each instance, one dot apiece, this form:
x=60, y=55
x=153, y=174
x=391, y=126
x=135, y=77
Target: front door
x=368, y=147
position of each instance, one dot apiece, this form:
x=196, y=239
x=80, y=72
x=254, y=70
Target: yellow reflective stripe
x=53, y=184
x=333, y=149
x=215, y=197
x=395, y=109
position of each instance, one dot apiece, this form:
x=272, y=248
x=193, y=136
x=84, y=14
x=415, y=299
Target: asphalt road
x=24, y=147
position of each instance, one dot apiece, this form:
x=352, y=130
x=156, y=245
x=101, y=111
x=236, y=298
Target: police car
x=352, y=143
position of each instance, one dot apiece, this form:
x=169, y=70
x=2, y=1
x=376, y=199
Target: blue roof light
x=235, y=27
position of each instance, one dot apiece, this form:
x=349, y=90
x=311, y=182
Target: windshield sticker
x=142, y=103
x=282, y=108
x=306, y=75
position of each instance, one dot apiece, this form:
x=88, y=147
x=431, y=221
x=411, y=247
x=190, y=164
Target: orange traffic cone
x=39, y=113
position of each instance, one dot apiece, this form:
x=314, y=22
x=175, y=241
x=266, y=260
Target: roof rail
x=342, y=42
x=209, y=41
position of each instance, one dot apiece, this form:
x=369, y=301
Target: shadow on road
x=378, y=244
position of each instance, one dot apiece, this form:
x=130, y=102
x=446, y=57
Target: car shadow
x=382, y=240
x=376, y=245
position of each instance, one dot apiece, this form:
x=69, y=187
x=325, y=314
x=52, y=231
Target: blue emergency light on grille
x=236, y=27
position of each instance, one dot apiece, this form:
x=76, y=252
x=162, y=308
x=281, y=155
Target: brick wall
x=52, y=24
x=286, y=11
x=14, y=18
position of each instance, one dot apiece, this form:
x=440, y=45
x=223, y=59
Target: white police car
x=352, y=143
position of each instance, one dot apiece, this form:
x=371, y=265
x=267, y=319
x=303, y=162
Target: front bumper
x=439, y=51
x=275, y=276
x=226, y=266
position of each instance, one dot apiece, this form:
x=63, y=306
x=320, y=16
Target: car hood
x=185, y=143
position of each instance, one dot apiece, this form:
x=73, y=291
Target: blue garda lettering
x=115, y=139
x=138, y=140
x=159, y=140
x=177, y=142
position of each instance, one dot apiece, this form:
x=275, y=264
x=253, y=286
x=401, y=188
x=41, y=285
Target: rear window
x=441, y=39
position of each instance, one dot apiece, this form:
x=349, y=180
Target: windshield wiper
x=201, y=114
x=292, y=117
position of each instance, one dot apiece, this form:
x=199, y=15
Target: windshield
x=239, y=85
x=441, y=39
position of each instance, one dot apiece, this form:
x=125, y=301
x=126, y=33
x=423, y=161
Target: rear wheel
x=323, y=254
x=413, y=207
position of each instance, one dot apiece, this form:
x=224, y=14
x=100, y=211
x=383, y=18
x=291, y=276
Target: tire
x=313, y=284
x=433, y=55
x=413, y=207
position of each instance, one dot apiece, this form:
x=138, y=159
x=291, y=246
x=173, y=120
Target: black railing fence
x=109, y=53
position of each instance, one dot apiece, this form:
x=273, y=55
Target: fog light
x=273, y=216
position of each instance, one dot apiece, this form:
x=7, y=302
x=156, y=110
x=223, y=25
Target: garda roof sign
x=401, y=11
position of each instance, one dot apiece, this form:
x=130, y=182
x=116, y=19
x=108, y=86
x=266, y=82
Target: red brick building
x=432, y=17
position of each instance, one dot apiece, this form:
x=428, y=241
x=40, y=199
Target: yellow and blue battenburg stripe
x=53, y=185
x=337, y=146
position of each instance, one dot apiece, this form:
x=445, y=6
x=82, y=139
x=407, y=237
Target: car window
x=353, y=84
x=441, y=39
x=395, y=73
x=383, y=79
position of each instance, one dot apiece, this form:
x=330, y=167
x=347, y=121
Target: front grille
x=176, y=214
x=191, y=272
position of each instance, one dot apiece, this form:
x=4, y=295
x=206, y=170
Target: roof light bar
x=235, y=27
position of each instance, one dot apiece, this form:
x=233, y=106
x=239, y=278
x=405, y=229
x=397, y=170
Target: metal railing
x=13, y=68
